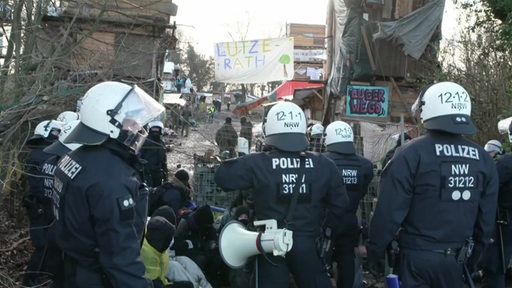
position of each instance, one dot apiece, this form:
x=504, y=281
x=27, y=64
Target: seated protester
x=241, y=277
x=196, y=238
x=241, y=213
x=175, y=192
x=182, y=270
x=154, y=252
x=243, y=198
x=167, y=212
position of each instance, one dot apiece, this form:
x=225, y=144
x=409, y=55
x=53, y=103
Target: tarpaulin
x=415, y=29
x=245, y=107
x=287, y=89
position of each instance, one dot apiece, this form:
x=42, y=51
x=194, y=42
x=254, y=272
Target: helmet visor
x=140, y=107
x=132, y=135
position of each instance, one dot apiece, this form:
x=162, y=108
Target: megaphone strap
x=258, y=244
x=260, y=249
x=295, y=195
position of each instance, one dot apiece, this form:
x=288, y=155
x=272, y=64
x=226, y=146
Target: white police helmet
x=156, y=124
x=339, y=137
x=115, y=110
x=494, y=146
x=44, y=130
x=445, y=106
x=317, y=131
x=285, y=127
x=68, y=116
x=59, y=147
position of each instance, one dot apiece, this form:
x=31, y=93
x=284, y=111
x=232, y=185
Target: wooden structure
x=390, y=61
x=309, y=48
x=376, y=61
x=116, y=39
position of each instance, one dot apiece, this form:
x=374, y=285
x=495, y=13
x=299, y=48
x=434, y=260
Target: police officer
x=153, y=152
x=497, y=256
x=38, y=201
x=494, y=148
x=68, y=116
x=52, y=255
x=316, y=138
x=357, y=173
x=100, y=206
x=438, y=193
x=274, y=176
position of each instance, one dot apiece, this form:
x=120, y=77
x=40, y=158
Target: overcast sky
x=212, y=21
x=205, y=22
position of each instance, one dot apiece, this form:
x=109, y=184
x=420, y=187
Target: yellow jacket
x=156, y=263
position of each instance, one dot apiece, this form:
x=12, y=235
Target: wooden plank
x=127, y=6
x=115, y=15
x=94, y=53
x=387, y=10
x=368, y=47
x=403, y=7
x=307, y=35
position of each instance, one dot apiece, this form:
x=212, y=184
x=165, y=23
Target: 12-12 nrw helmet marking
x=339, y=137
x=445, y=106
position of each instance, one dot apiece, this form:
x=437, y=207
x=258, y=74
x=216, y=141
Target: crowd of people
x=105, y=210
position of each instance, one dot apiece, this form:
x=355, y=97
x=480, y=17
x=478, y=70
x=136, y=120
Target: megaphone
x=236, y=244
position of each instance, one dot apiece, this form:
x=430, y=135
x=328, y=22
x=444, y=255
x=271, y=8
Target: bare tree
x=477, y=60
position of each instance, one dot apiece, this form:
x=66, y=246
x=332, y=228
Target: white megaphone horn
x=236, y=244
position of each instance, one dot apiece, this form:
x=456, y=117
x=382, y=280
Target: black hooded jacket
x=172, y=193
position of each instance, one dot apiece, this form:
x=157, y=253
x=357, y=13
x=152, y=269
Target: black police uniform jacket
x=504, y=167
x=440, y=189
x=48, y=170
x=35, y=176
x=357, y=173
x=172, y=193
x=101, y=213
x=272, y=176
x=38, y=199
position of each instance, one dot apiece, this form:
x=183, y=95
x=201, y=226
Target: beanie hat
x=166, y=212
x=203, y=216
x=159, y=233
x=228, y=120
x=182, y=175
